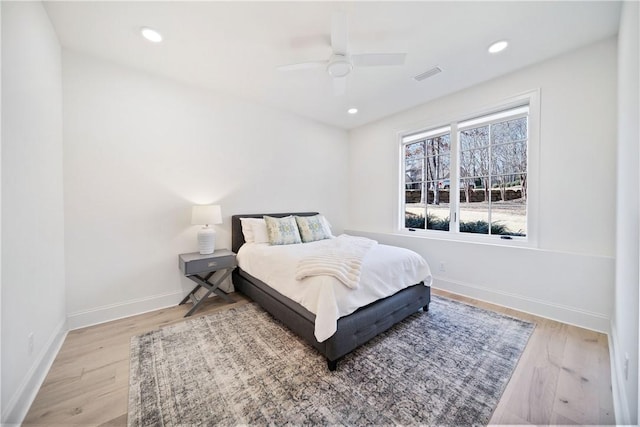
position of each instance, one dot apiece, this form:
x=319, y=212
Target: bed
x=351, y=330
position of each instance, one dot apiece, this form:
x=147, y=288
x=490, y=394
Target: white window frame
x=464, y=121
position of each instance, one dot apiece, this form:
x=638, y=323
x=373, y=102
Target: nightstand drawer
x=202, y=265
x=195, y=263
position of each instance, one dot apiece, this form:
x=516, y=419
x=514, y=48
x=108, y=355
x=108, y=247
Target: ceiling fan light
x=339, y=68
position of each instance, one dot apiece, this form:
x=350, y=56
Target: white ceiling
x=235, y=47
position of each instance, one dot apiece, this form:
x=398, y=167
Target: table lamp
x=206, y=215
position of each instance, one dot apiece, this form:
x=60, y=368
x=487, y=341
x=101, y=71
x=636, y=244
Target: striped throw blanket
x=343, y=260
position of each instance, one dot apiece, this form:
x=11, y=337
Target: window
x=427, y=171
x=469, y=177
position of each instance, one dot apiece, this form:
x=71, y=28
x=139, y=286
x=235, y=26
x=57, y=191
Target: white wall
x=141, y=150
x=624, y=322
x=569, y=276
x=33, y=281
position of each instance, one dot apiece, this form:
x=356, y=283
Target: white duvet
x=385, y=271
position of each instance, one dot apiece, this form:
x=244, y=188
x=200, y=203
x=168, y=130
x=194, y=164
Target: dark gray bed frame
x=353, y=330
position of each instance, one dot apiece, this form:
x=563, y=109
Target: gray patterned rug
x=447, y=367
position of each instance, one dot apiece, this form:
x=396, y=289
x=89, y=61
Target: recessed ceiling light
x=498, y=46
x=151, y=34
x=352, y=110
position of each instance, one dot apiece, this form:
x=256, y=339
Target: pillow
x=282, y=231
x=326, y=224
x=260, y=234
x=256, y=230
x=312, y=228
x=247, y=230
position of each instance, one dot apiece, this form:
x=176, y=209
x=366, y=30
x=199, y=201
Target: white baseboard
x=21, y=401
x=565, y=314
x=620, y=403
x=111, y=312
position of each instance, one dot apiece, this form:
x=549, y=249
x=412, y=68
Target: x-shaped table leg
x=203, y=282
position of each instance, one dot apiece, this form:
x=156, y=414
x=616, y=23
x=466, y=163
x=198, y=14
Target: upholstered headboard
x=237, y=238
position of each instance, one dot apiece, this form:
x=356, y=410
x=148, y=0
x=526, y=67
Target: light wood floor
x=563, y=376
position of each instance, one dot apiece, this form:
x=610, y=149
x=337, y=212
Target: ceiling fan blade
x=302, y=66
x=339, y=86
x=377, y=59
x=339, y=35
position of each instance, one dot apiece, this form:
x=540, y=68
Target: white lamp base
x=206, y=240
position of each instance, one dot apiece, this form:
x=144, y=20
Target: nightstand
x=200, y=268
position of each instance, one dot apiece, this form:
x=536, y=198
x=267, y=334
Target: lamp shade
x=206, y=214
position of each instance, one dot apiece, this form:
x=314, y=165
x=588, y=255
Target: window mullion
x=489, y=177
x=424, y=193
x=454, y=181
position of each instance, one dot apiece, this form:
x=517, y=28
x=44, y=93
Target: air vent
x=429, y=73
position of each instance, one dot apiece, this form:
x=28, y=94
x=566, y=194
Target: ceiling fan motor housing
x=339, y=66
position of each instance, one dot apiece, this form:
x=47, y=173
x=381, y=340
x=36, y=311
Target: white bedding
x=344, y=260
x=385, y=271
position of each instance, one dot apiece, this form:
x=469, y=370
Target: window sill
x=519, y=242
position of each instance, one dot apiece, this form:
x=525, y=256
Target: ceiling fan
x=341, y=62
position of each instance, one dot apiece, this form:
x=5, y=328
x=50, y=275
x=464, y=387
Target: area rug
x=447, y=366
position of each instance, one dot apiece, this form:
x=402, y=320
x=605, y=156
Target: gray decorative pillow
x=312, y=228
x=282, y=231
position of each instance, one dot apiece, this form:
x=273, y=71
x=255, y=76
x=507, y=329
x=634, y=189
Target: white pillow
x=254, y=230
x=260, y=234
x=326, y=224
x=247, y=230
